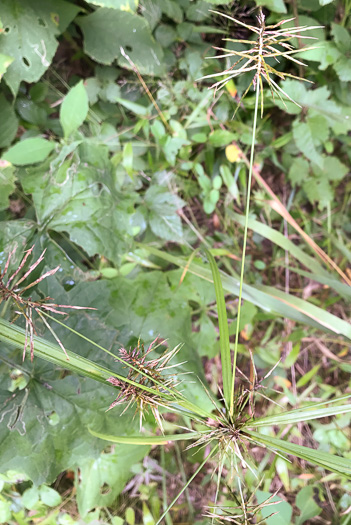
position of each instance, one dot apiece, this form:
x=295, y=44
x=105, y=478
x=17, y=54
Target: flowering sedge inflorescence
x=271, y=42
x=147, y=373
x=248, y=510
x=25, y=306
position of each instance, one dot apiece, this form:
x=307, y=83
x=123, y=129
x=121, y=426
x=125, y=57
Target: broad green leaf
x=218, y=2
x=32, y=112
x=7, y=185
x=223, y=330
x=316, y=101
x=14, y=234
x=318, y=33
x=84, y=204
x=267, y=298
x=124, y=5
x=277, y=6
x=53, y=412
x=74, y=109
x=338, y=464
x=107, y=30
x=5, y=511
x=102, y=479
x=304, y=141
x=30, y=497
x=299, y=171
x=29, y=151
x=145, y=440
x=333, y=169
x=171, y=147
x=163, y=217
x=283, y=509
x=5, y=61
x=49, y=496
x=30, y=28
x=307, y=505
x=342, y=37
x=170, y=8
x=319, y=190
x=221, y=137
x=315, y=411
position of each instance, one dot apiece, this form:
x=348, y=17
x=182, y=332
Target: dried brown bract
x=10, y=290
x=147, y=385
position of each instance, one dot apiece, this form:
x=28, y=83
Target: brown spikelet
x=10, y=291
x=149, y=374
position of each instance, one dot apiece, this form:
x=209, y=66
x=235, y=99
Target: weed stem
x=252, y=154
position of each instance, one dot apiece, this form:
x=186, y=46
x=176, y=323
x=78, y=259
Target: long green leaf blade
x=223, y=329
x=267, y=298
x=283, y=242
x=330, y=462
x=315, y=411
x=15, y=336
x=145, y=440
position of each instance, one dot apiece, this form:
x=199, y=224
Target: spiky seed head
x=270, y=42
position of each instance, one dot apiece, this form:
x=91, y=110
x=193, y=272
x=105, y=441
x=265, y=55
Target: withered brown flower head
x=11, y=291
x=146, y=384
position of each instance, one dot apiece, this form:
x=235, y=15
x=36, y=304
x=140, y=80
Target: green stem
x=244, y=246
x=188, y=483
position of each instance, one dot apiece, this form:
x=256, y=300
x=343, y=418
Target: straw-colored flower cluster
x=147, y=385
x=271, y=42
x=25, y=306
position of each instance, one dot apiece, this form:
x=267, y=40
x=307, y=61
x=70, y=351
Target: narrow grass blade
x=267, y=298
x=315, y=411
x=342, y=289
x=15, y=336
x=280, y=240
x=145, y=440
x=330, y=462
x=223, y=329
x=277, y=206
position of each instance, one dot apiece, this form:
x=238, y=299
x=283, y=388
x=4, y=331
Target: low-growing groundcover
x=132, y=176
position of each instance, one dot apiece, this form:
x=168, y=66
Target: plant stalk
x=252, y=154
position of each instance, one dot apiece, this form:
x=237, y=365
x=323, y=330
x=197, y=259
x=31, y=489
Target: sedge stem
x=252, y=154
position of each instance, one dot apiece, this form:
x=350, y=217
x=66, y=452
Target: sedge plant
x=230, y=431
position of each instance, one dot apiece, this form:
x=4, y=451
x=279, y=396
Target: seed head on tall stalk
x=271, y=41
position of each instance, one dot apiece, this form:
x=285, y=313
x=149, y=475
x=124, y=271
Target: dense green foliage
x=119, y=184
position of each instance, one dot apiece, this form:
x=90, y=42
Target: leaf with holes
x=83, y=204
x=30, y=28
x=102, y=479
x=106, y=31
